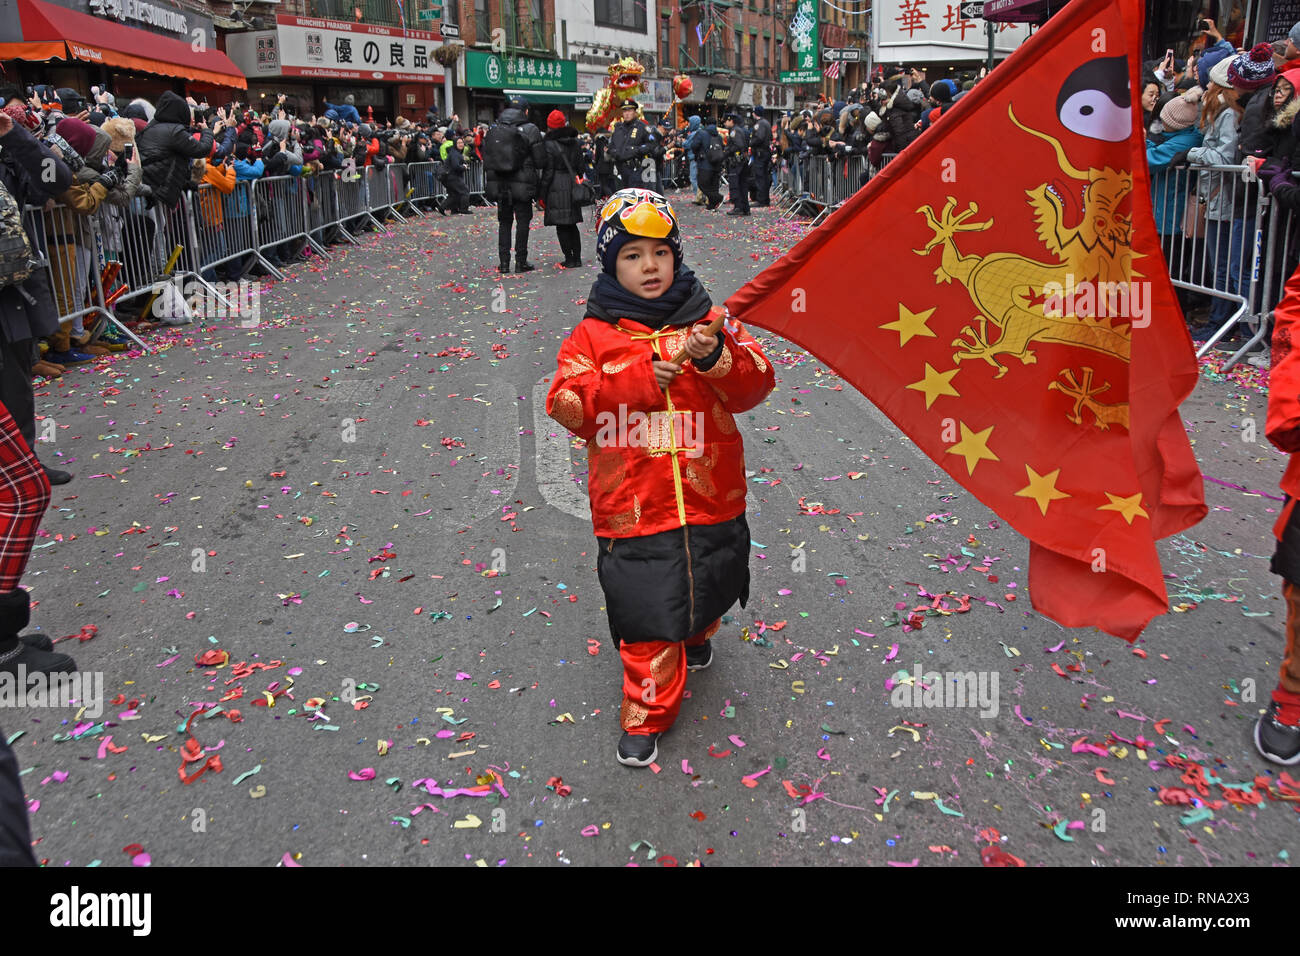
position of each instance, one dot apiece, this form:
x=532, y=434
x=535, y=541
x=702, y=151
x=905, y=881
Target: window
x=664, y=59
x=767, y=63
x=738, y=50
x=624, y=14
x=753, y=53
x=482, y=28
x=453, y=11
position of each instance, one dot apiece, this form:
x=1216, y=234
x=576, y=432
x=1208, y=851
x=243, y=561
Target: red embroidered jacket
x=1283, y=425
x=657, y=460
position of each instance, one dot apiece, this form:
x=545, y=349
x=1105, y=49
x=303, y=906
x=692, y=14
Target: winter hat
x=1182, y=111
x=364, y=131
x=914, y=94
x=144, y=107
x=759, y=111
x=555, y=120
x=872, y=122
x=1250, y=71
x=941, y=93
x=122, y=131
x=279, y=129
x=1294, y=34
x=635, y=214
x=79, y=135
x=350, y=100
x=1218, y=74
x=693, y=122
x=1208, y=60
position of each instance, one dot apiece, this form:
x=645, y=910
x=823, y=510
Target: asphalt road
x=365, y=495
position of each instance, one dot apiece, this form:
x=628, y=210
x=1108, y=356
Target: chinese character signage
x=355, y=51
x=503, y=72
x=804, y=44
x=918, y=31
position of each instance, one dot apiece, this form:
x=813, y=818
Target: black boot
x=504, y=265
x=33, y=652
x=523, y=265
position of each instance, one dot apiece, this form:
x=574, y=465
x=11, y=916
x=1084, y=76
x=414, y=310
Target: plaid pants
x=24, y=496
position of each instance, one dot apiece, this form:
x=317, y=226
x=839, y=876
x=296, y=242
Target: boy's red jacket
x=1283, y=426
x=657, y=460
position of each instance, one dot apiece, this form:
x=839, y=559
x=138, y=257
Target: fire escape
x=705, y=50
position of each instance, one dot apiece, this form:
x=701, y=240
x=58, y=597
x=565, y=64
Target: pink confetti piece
x=656, y=768
x=142, y=859
x=367, y=774
x=1025, y=720
x=288, y=860
x=823, y=754
x=168, y=661
x=1053, y=650
x=751, y=780
x=735, y=739
x=915, y=862
x=1125, y=713
x=591, y=831
x=686, y=767
x=893, y=652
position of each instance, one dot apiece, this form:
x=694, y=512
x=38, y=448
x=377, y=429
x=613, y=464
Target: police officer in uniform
x=737, y=163
x=631, y=144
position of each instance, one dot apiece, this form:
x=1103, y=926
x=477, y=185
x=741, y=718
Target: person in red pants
x=666, y=465
x=1277, y=732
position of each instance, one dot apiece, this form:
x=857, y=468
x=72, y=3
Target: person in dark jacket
x=760, y=147
x=902, y=114
x=632, y=145
x=454, y=180
x=167, y=146
x=27, y=311
x=563, y=164
x=709, y=174
x=737, y=164
x=515, y=192
x=604, y=167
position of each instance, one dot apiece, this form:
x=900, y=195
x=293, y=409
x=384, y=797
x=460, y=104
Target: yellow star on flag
x=1130, y=507
x=935, y=384
x=1042, y=488
x=973, y=447
x=910, y=324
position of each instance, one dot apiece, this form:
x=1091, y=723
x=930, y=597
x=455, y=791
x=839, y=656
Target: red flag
x=999, y=292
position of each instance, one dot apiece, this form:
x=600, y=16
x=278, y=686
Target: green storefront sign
x=503, y=72
x=804, y=43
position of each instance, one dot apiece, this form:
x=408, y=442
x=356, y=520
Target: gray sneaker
x=1275, y=740
x=700, y=657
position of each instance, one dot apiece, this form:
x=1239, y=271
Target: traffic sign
x=843, y=54
x=973, y=11
x=450, y=31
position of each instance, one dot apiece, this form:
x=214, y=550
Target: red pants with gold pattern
x=654, y=681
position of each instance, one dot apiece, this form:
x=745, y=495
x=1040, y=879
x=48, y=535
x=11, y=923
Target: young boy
x=666, y=466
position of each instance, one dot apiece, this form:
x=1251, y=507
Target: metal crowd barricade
x=379, y=193
x=156, y=246
x=353, y=210
x=1234, y=253
x=677, y=172
x=400, y=192
x=845, y=178
x=813, y=178
x=226, y=228
x=475, y=181
x=423, y=183
x=280, y=204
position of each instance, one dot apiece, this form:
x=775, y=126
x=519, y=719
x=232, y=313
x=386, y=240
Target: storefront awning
x=1020, y=11
x=96, y=40
x=542, y=96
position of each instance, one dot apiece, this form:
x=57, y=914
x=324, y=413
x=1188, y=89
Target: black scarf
x=684, y=303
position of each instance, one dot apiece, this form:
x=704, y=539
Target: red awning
x=97, y=40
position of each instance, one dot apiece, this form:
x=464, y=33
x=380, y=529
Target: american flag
x=832, y=72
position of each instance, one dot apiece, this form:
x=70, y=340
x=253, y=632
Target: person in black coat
x=454, y=179
x=737, y=163
x=515, y=192
x=167, y=147
x=563, y=164
x=902, y=115
x=760, y=145
x=32, y=174
x=708, y=175
x=631, y=146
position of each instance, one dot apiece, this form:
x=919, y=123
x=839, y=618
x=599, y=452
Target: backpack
x=713, y=155
x=16, y=259
x=504, y=149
